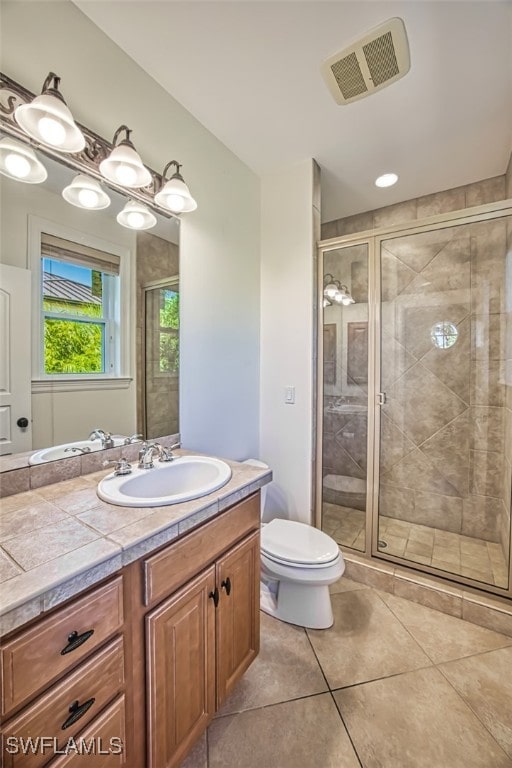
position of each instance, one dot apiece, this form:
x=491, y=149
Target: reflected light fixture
x=123, y=166
x=136, y=216
x=386, y=180
x=48, y=119
x=19, y=162
x=85, y=192
x=174, y=194
x=334, y=291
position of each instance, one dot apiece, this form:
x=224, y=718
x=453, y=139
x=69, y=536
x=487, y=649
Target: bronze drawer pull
x=215, y=596
x=226, y=584
x=77, y=711
x=75, y=641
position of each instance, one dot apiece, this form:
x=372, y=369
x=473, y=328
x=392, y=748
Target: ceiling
x=249, y=71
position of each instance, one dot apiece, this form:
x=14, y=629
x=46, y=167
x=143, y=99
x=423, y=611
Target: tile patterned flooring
x=392, y=684
x=475, y=558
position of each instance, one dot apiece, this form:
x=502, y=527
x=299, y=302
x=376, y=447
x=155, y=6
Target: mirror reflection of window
x=79, y=308
x=168, y=358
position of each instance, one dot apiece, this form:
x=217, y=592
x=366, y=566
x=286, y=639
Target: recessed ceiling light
x=386, y=180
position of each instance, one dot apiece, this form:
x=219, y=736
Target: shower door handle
x=381, y=398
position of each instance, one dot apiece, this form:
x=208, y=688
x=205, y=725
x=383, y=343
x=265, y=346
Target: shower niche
x=416, y=462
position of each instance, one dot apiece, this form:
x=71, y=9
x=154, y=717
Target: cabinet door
x=180, y=636
x=238, y=614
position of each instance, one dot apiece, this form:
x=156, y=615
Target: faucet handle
x=132, y=439
x=166, y=453
x=122, y=466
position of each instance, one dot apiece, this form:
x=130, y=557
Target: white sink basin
x=185, y=478
x=59, y=451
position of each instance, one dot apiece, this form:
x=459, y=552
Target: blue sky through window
x=69, y=271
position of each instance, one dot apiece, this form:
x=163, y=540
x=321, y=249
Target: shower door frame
x=373, y=239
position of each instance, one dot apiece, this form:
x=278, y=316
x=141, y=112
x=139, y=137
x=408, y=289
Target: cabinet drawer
x=96, y=682
x=42, y=653
x=179, y=562
x=102, y=744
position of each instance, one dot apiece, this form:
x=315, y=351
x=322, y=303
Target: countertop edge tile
x=34, y=591
x=42, y=582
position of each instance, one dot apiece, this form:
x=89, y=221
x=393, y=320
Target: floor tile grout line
x=403, y=625
x=448, y=615
x=334, y=700
x=471, y=709
x=384, y=677
x=271, y=704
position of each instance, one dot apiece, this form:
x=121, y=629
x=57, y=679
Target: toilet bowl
x=298, y=563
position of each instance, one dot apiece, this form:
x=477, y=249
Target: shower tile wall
x=443, y=426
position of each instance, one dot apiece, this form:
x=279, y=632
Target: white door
x=15, y=374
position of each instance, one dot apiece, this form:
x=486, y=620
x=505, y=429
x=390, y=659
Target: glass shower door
x=445, y=463
x=345, y=395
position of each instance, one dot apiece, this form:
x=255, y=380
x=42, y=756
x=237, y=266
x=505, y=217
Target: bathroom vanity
x=134, y=667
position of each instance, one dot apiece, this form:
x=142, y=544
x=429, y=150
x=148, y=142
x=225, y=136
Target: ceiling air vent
x=378, y=59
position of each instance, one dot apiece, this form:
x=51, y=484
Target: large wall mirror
x=90, y=320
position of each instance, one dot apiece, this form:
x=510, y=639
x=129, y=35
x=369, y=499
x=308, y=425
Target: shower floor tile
x=474, y=558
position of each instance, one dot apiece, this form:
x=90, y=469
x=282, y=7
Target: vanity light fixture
x=174, y=194
x=334, y=291
x=386, y=180
x=136, y=216
x=19, y=162
x=85, y=192
x=123, y=166
x=48, y=119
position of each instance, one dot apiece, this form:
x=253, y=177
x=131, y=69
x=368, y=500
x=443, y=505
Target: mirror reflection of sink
x=59, y=451
x=183, y=479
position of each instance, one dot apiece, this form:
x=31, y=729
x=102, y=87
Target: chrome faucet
x=105, y=437
x=146, y=454
x=77, y=449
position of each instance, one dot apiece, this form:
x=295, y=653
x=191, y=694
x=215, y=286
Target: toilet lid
x=293, y=542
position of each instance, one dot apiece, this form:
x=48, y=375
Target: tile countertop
x=61, y=539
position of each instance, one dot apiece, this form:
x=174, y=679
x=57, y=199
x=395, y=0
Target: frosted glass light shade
x=136, y=216
x=123, y=166
x=48, y=120
x=86, y=193
x=175, y=197
x=19, y=162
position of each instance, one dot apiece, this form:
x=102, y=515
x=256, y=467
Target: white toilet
x=298, y=563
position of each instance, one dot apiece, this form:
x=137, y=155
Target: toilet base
x=308, y=607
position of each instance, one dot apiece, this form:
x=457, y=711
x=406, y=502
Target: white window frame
x=117, y=331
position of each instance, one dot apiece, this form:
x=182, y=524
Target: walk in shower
x=416, y=417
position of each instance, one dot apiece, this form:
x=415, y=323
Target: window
x=169, y=331
x=79, y=299
x=162, y=329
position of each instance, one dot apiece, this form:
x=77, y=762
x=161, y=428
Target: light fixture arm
x=126, y=141
x=51, y=86
x=176, y=174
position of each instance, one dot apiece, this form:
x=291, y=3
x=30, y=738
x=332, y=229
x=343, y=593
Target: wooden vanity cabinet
x=171, y=635
x=200, y=641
